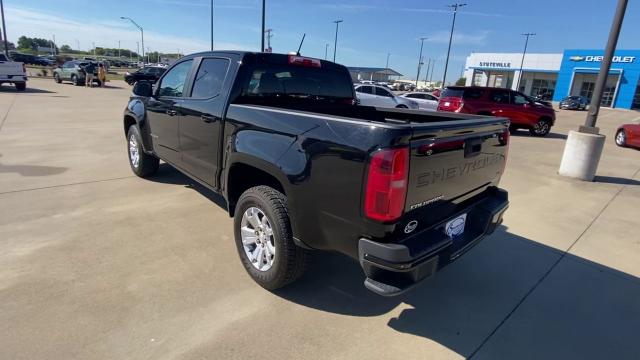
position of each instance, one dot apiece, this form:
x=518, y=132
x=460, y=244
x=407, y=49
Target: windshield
x=291, y=82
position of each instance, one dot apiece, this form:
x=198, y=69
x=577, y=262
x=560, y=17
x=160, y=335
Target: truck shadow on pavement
x=32, y=170
x=167, y=174
x=616, y=180
x=28, y=90
x=509, y=297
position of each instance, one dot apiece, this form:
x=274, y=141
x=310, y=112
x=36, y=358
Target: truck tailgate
x=11, y=68
x=452, y=161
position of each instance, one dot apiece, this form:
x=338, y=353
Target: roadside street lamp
x=326, y=50
x=263, y=27
x=422, y=39
x=335, y=42
x=388, y=55
x=524, y=53
x=211, y=25
x=453, y=24
x=139, y=28
x=583, y=148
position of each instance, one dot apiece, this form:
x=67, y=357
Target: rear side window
x=473, y=93
x=500, y=97
x=382, y=92
x=173, y=83
x=209, y=78
x=415, y=96
x=365, y=90
x=290, y=81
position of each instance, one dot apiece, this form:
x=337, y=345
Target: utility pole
x=453, y=24
x=77, y=44
x=388, y=55
x=4, y=30
x=426, y=73
x=326, y=50
x=119, y=48
x=583, y=148
x=335, y=42
x=422, y=39
x=139, y=28
x=524, y=53
x=269, y=35
x=433, y=66
x=94, y=48
x=263, y=27
x=53, y=50
x=211, y=25
x=138, y=50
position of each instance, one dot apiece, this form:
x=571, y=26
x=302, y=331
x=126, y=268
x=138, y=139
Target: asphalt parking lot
x=96, y=263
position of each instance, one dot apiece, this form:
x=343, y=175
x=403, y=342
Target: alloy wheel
x=258, y=239
x=134, y=154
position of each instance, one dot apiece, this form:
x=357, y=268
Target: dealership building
x=573, y=72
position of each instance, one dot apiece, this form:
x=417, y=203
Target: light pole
x=263, y=27
x=422, y=39
x=119, y=48
x=388, y=55
x=141, y=32
x=326, y=50
x=524, y=53
x=335, y=42
x=583, y=148
x=433, y=66
x=453, y=24
x=426, y=74
x=138, y=50
x=211, y=25
x=4, y=30
x=94, y=48
x=77, y=44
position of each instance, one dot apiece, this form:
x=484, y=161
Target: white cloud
x=34, y=23
x=442, y=37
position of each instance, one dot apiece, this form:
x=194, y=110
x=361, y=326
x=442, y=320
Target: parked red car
x=628, y=135
x=523, y=111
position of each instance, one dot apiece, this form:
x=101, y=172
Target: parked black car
x=301, y=167
x=149, y=73
x=29, y=59
x=574, y=103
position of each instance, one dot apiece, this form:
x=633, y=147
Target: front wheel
x=541, y=128
x=264, y=239
x=56, y=78
x=142, y=164
x=75, y=80
x=21, y=86
x=621, y=138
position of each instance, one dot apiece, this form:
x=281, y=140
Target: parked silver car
x=379, y=96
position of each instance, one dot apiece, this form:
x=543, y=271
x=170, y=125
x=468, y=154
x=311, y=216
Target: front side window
x=499, y=96
x=209, y=79
x=519, y=99
x=173, y=83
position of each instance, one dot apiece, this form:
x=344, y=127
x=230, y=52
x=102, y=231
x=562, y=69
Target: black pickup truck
x=303, y=167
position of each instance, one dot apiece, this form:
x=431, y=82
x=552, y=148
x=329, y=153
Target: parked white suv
x=13, y=73
x=379, y=96
x=425, y=101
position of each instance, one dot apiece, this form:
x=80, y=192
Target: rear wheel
x=621, y=138
x=264, y=239
x=21, y=86
x=142, y=164
x=56, y=78
x=75, y=80
x=541, y=128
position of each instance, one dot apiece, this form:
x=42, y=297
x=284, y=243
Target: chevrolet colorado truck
x=303, y=167
x=13, y=73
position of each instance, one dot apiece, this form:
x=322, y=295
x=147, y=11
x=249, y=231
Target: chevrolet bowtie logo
x=577, y=58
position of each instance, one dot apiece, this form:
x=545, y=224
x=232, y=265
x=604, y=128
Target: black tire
x=75, y=80
x=621, y=138
x=146, y=165
x=289, y=261
x=542, y=128
x=56, y=78
x=21, y=86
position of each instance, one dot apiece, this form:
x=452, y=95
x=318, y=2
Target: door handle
x=172, y=112
x=208, y=118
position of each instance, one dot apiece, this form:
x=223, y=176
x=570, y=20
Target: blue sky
x=370, y=30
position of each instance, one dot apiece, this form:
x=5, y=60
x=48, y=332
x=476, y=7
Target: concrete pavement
x=96, y=263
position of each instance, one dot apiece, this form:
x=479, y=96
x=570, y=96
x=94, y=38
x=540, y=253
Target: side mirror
x=143, y=88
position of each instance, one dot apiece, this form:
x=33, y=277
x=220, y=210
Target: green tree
x=461, y=82
x=65, y=48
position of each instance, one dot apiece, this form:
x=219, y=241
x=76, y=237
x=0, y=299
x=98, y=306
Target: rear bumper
x=13, y=78
x=393, y=268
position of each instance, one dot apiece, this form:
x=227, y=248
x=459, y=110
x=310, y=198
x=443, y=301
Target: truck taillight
x=450, y=104
x=387, y=182
x=304, y=61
